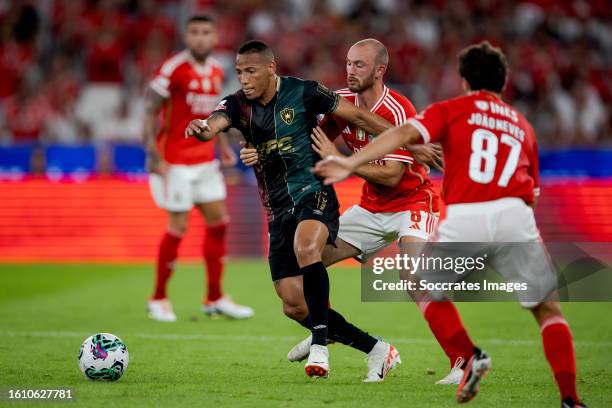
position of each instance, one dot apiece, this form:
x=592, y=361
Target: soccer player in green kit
x=276, y=115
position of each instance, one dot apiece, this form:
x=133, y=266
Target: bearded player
x=398, y=201
x=491, y=186
x=183, y=172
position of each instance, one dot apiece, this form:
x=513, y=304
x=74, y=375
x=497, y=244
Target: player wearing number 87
x=103, y=356
x=490, y=182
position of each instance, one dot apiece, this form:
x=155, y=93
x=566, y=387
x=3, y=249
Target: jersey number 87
x=484, y=147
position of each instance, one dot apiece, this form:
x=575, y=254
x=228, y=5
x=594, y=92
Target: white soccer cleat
x=161, y=310
x=301, y=350
x=381, y=360
x=318, y=362
x=227, y=307
x=455, y=375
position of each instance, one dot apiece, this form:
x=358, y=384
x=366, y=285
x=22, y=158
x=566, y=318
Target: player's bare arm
x=205, y=129
x=153, y=105
x=335, y=169
x=428, y=154
x=389, y=174
x=361, y=117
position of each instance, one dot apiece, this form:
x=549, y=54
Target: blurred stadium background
x=72, y=181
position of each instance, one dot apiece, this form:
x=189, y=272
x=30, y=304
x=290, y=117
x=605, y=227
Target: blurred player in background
x=184, y=172
x=277, y=115
x=491, y=186
x=398, y=200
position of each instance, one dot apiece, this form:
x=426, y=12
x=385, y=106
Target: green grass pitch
x=46, y=311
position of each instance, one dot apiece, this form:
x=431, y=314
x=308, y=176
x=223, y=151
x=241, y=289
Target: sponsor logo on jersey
x=287, y=115
x=283, y=145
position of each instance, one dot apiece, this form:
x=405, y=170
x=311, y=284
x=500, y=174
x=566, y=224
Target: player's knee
x=307, y=253
x=295, y=311
x=546, y=309
x=178, y=223
x=178, y=229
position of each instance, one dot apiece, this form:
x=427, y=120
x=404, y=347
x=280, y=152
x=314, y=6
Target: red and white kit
x=192, y=91
x=490, y=177
x=386, y=214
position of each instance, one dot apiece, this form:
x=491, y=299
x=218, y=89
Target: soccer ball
x=103, y=356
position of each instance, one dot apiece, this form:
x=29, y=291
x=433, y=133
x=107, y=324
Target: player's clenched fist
x=199, y=129
x=248, y=154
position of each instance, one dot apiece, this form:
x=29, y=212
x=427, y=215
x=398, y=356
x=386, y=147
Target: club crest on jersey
x=361, y=135
x=482, y=105
x=287, y=115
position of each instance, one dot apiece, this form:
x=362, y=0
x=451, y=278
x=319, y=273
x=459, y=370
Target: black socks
x=316, y=292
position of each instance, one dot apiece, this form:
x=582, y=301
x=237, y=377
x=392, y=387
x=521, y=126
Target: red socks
x=446, y=325
x=559, y=351
x=214, y=252
x=168, y=249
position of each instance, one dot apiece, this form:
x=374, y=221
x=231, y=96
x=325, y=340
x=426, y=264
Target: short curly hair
x=483, y=67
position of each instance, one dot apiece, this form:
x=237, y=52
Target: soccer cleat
x=227, y=307
x=318, y=362
x=477, y=367
x=381, y=359
x=455, y=375
x=300, y=351
x=161, y=310
x=569, y=403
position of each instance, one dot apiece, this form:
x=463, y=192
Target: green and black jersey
x=280, y=131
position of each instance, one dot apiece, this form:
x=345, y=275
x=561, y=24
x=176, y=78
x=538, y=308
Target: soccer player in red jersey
x=490, y=186
x=184, y=172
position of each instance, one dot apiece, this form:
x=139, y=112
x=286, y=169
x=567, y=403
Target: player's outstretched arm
x=205, y=129
x=361, y=117
x=153, y=105
x=334, y=169
x=388, y=175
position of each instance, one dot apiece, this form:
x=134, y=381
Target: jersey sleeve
x=161, y=84
x=332, y=126
x=319, y=99
x=230, y=108
x=401, y=154
x=432, y=122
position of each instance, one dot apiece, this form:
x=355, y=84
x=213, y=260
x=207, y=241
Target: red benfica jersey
x=490, y=150
x=192, y=91
x=415, y=191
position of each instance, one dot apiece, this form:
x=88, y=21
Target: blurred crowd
x=75, y=70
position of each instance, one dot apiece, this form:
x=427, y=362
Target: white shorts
x=186, y=185
x=370, y=232
x=510, y=221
